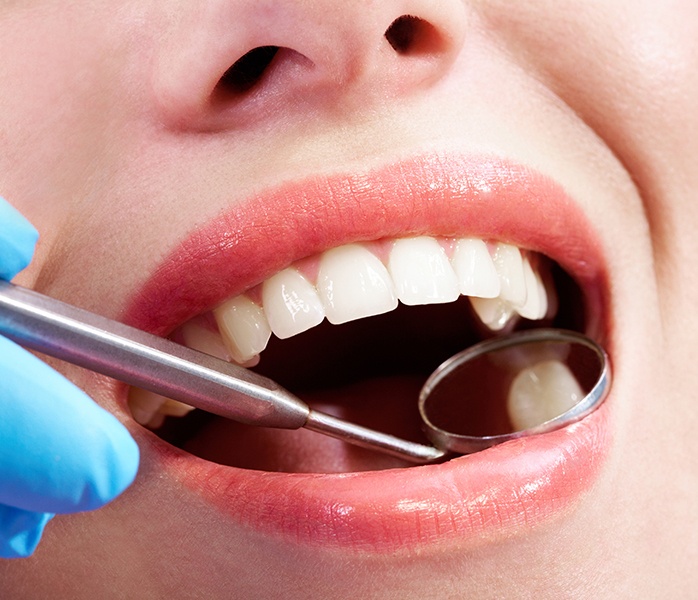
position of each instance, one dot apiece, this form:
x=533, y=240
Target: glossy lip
x=504, y=488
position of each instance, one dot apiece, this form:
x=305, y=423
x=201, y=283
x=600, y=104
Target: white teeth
x=542, y=392
x=421, y=272
x=353, y=283
x=475, y=269
x=204, y=340
x=144, y=405
x=509, y=264
x=536, y=305
x=513, y=297
x=244, y=328
x=150, y=409
x=174, y=408
x=291, y=303
x=495, y=313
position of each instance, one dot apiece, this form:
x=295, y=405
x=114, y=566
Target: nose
x=224, y=62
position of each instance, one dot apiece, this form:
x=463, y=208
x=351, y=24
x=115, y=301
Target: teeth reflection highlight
x=291, y=304
x=244, y=328
x=353, y=283
x=421, y=272
x=542, y=392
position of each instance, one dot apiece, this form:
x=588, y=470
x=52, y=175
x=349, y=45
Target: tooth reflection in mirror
x=542, y=392
x=521, y=384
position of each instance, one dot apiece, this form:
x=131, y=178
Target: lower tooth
x=495, y=313
x=542, y=392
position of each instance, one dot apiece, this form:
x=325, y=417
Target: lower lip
x=496, y=492
x=493, y=493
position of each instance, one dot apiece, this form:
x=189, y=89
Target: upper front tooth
x=421, y=272
x=291, y=303
x=150, y=409
x=204, y=340
x=243, y=326
x=509, y=265
x=145, y=405
x=353, y=283
x=475, y=269
x=536, y=304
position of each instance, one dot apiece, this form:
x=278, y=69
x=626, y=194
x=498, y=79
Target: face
x=185, y=164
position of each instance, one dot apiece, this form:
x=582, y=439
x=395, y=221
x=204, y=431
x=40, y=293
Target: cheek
x=54, y=111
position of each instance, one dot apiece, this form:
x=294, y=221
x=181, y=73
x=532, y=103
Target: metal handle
x=138, y=358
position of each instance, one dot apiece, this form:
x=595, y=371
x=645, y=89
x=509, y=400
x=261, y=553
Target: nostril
x=411, y=35
x=248, y=70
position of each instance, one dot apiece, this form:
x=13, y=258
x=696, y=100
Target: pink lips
x=504, y=488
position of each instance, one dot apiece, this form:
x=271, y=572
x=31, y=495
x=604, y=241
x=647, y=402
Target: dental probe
x=159, y=365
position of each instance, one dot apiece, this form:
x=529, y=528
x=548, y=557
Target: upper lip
x=437, y=194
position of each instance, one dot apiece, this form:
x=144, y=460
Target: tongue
x=386, y=404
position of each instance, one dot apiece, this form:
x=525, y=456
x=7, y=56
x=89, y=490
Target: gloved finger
x=59, y=451
x=20, y=531
x=17, y=240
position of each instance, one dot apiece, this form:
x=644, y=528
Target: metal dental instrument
x=457, y=395
x=138, y=358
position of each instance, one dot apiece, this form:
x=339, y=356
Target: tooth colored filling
x=352, y=282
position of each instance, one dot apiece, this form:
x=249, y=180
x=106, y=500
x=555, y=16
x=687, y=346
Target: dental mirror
x=513, y=386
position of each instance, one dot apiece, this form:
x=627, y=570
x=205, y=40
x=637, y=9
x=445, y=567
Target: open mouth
x=247, y=283
x=355, y=331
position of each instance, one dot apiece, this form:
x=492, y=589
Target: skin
x=116, y=146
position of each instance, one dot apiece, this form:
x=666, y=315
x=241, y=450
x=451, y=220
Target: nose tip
x=262, y=59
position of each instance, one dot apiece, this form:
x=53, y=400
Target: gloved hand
x=59, y=451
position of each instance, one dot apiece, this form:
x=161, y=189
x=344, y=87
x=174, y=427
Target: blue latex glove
x=59, y=451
